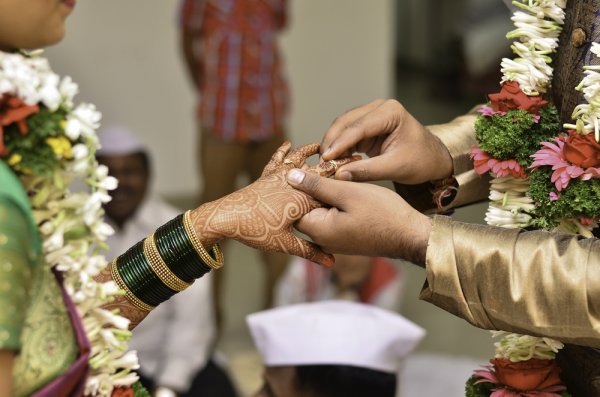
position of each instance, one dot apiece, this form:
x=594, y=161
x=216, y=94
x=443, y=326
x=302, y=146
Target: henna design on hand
x=262, y=214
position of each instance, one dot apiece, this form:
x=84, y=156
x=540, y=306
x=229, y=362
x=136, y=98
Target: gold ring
x=334, y=164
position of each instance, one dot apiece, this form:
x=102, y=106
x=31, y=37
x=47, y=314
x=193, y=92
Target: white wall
x=125, y=57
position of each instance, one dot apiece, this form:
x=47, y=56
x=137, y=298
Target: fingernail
x=326, y=260
x=295, y=176
x=326, y=152
x=345, y=175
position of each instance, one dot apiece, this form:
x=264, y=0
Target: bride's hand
x=262, y=214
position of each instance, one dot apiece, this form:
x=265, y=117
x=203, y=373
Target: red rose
x=582, y=150
x=532, y=374
x=122, y=392
x=511, y=97
x=14, y=110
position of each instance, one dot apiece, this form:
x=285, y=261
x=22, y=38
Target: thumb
x=370, y=169
x=320, y=188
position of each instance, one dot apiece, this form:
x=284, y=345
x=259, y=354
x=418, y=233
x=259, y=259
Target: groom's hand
x=363, y=219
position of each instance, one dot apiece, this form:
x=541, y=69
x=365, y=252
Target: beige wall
x=124, y=55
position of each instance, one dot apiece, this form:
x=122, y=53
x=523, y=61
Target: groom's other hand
x=362, y=219
x=400, y=149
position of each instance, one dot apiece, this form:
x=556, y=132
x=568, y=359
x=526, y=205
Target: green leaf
x=516, y=135
x=580, y=198
x=37, y=157
x=139, y=390
x=483, y=389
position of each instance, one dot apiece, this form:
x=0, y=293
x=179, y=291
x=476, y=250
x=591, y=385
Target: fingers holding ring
x=327, y=168
x=331, y=167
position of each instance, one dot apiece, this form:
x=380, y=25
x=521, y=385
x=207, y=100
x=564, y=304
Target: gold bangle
x=160, y=268
x=134, y=300
x=204, y=255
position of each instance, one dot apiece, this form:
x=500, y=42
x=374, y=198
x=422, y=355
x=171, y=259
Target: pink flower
x=552, y=155
x=488, y=375
x=489, y=111
x=553, y=196
x=586, y=220
x=484, y=163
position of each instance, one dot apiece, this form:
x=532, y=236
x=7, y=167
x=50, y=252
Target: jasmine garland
x=49, y=143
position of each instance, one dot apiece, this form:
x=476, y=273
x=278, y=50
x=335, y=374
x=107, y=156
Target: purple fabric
x=72, y=382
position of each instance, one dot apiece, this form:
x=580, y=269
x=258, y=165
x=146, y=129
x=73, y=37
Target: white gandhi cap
x=118, y=140
x=334, y=333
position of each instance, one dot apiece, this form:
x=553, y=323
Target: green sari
x=34, y=322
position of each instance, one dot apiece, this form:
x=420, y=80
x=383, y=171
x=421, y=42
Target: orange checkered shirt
x=243, y=94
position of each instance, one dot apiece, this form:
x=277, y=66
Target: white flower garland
x=517, y=347
x=71, y=224
x=538, y=29
x=538, y=34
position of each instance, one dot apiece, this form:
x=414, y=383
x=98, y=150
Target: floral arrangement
x=523, y=366
x=544, y=175
x=50, y=143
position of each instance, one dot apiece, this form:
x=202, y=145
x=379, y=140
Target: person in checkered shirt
x=231, y=54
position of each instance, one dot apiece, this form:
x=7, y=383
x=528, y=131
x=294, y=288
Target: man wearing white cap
x=332, y=349
x=175, y=342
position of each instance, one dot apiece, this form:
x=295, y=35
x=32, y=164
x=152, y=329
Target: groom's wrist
x=416, y=239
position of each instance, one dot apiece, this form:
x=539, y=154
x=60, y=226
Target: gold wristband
x=160, y=268
x=204, y=255
x=114, y=271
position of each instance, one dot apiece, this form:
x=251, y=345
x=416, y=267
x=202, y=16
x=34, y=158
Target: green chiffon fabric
x=34, y=322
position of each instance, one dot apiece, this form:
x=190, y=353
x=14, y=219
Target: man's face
x=279, y=382
x=132, y=173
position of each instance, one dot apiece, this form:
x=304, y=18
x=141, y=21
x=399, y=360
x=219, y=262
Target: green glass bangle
x=131, y=268
x=116, y=276
x=146, y=286
x=156, y=291
x=140, y=279
x=177, y=251
x=137, y=275
x=194, y=264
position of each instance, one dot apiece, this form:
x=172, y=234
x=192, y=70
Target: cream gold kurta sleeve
x=530, y=282
x=459, y=136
